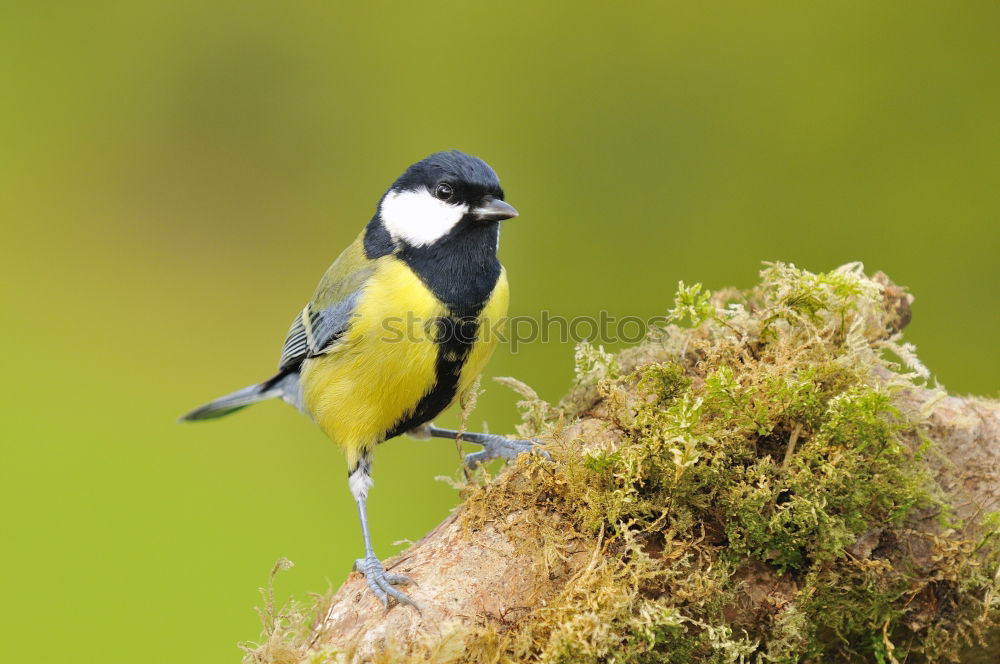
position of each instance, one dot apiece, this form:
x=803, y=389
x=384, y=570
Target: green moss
x=765, y=438
x=763, y=443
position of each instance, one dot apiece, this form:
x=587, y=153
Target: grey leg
x=380, y=583
x=494, y=446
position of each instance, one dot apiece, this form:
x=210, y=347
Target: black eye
x=443, y=191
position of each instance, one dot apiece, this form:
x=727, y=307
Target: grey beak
x=493, y=209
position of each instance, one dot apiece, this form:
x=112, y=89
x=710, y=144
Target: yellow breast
x=385, y=363
x=491, y=320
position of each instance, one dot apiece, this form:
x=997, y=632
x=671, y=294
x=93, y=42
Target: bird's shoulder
x=318, y=326
x=348, y=272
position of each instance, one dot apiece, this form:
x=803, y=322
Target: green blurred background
x=175, y=176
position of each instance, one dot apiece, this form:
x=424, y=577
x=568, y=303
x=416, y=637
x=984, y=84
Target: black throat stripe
x=461, y=270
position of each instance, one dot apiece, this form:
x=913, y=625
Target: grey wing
x=315, y=331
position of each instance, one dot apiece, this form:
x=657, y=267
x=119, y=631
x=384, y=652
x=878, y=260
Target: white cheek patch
x=418, y=218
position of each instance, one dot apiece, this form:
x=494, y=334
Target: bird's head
x=441, y=194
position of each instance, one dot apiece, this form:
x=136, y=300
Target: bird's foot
x=498, y=447
x=382, y=584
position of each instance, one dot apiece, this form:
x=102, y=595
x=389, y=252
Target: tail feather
x=235, y=401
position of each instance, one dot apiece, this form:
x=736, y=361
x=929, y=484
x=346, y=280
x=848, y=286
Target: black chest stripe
x=455, y=337
x=461, y=269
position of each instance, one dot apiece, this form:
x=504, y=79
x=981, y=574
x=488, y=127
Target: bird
x=398, y=329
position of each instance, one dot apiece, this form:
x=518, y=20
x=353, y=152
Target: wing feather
x=321, y=323
x=296, y=345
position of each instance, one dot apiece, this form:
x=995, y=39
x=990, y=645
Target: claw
x=498, y=447
x=381, y=584
x=400, y=579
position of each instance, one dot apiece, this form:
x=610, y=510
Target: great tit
x=399, y=327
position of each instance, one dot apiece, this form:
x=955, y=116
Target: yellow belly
x=385, y=363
